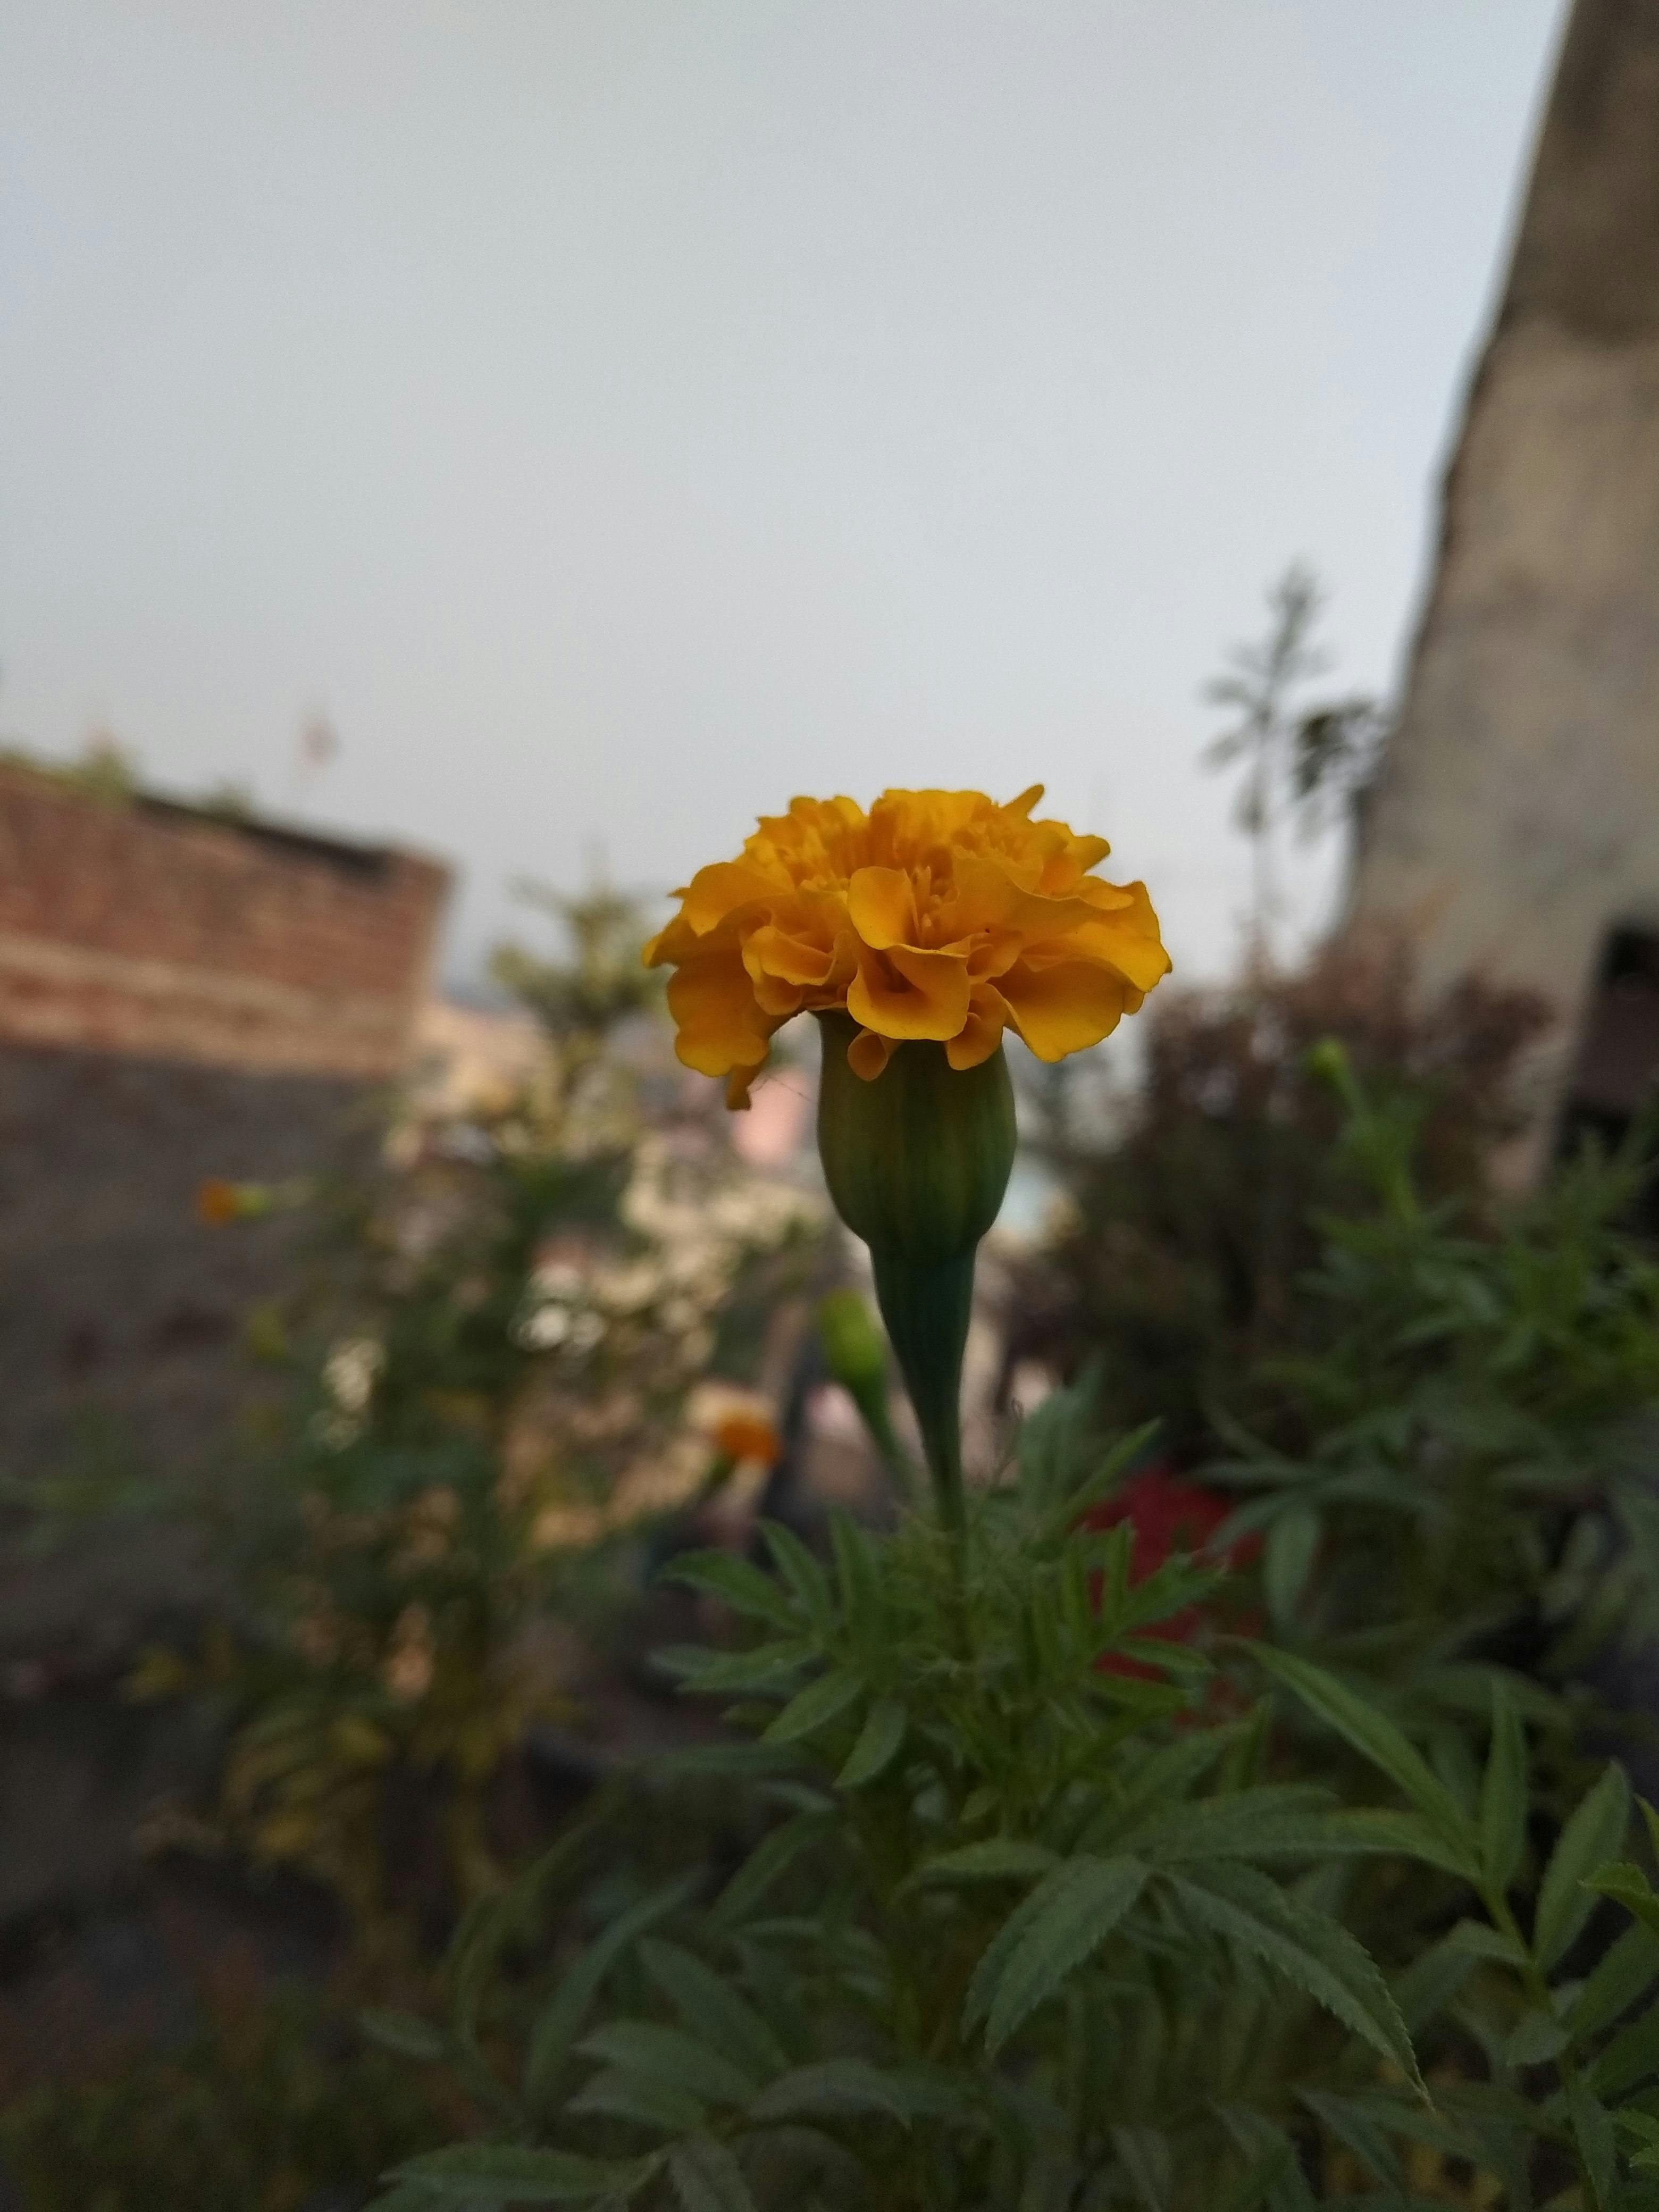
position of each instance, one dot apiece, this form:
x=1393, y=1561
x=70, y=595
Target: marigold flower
x=938, y=915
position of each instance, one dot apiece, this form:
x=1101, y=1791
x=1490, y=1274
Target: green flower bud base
x=917, y=1162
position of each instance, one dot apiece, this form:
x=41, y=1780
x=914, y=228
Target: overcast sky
x=617, y=417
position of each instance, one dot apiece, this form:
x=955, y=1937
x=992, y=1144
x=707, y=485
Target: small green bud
x=917, y=1162
x=853, y=1350
x=1327, y=1062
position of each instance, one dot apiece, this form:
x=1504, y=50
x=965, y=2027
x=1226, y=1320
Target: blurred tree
x=582, y=1000
x=1313, y=765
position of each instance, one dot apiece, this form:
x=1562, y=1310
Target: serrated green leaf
x=1276, y=1821
x=1287, y=1557
x=1432, y=1982
x=856, y=1572
x=706, y=2178
x=1379, y=1828
x=405, y=2033
x=1372, y=1734
x=1067, y=1916
x=880, y=1740
x=1145, y=2155
x=804, y=1576
x=514, y=2173
x=737, y=1582
x=1631, y=2056
x=1536, y=2038
x=1046, y=1474
x=1592, y=2130
x=1140, y=1704
x=657, y=2053
x=1168, y=1777
x=814, y=1707
x=1591, y=1836
x=1626, y=1971
x=614, y=2093
x=1165, y=1653
x=1627, y=1886
x=1307, y=1948
x=1476, y=1940
x=707, y=1674
x=1504, y=1793
x=561, y=2018
x=838, y=2088
x=711, y=2007
x=766, y=1864
x=998, y=1858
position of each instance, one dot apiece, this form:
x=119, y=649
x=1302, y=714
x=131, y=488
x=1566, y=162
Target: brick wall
x=146, y=928
x=180, y=997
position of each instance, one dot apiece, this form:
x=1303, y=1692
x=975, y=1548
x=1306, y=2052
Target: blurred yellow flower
x=937, y=914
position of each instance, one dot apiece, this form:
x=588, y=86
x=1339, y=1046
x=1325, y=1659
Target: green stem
x=926, y=1309
x=1502, y=1917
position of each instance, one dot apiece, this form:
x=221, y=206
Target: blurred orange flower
x=937, y=914
x=218, y=1201
x=749, y=1437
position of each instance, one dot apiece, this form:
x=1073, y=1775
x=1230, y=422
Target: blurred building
x=468, y=1059
x=182, y=995
x=1514, y=832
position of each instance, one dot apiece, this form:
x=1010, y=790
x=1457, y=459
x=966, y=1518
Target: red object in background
x=1169, y=1514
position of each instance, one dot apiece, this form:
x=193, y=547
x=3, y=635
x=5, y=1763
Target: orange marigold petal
x=1128, y=938
x=1065, y=1008
x=907, y=992
x=770, y=950
x=777, y=998
x=676, y=941
x=881, y=905
x=981, y=1035
x=868, y=1054
x=720, y=1026
x=719, y=890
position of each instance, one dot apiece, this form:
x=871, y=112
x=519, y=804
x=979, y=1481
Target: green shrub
x=1033, y=1918
x=1472, y=1474
x=1186, y=1237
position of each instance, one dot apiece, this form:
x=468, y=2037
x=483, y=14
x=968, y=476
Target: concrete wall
x=119, y=1309
x=1518, y=823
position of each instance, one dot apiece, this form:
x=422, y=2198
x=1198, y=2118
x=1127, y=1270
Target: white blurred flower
x=351, y=1371
x=585, y=1331
x=630, y=1288
x=544, y=1329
